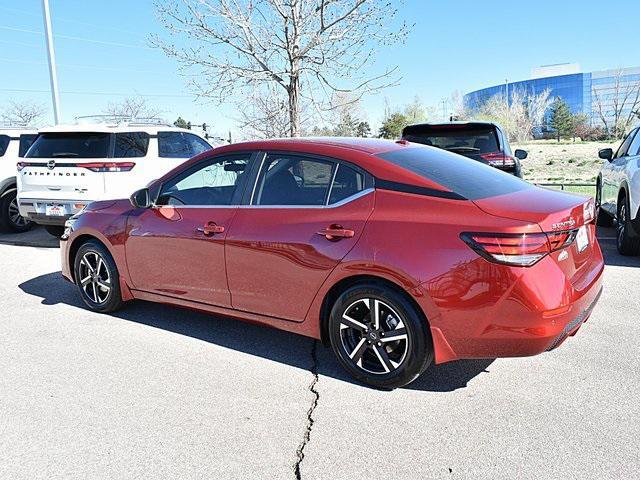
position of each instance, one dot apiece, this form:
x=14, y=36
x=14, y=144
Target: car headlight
x=68, y=226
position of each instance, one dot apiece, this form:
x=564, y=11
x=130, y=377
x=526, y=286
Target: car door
x=176, y=248
x=303, y=216
x=613, y=174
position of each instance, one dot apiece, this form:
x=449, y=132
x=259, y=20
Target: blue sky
x=102, y=47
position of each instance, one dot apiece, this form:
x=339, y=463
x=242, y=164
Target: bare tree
x=26, y=113
x=520, y=115
x=617, y=105
x=265, y=114
x=309, y=49
x=132, y=107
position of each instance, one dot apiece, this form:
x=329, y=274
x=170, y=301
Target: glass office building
x=593, y=94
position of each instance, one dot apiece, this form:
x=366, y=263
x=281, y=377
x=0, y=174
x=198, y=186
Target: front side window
x=26, y=140
x=70, y=145
x=215, y=182
x=291, y=180
x=4, y=144
x=131, y=144
x=180, y=145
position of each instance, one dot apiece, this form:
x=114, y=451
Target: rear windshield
x=469, y=178
x=26, y=140
x=70, y=145
x=4, y=144
x=456, y=138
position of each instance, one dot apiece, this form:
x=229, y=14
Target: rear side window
x=131, y=144
x=346, y=182
x=4, y=144
x=70, y=145
x=469, y=178
x=26, y=140
x=622, y=151
x=292, y=180
x=455, y=138
x=180, y=145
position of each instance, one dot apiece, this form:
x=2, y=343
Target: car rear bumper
x=532, y=315
x=36, y=210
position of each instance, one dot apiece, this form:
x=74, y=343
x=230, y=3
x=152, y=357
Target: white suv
x=14, y=142
x=69, y=166
x=618, y=193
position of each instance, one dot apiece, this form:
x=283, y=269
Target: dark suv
x=482, y=141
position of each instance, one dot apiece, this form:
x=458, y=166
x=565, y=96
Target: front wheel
x=379, y=337
x=628, y=244
x=10, y=218
x=97, y=278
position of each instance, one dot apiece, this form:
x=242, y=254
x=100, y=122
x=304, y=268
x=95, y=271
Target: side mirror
x=141, y=198
x=520, y=154
x=606, y=154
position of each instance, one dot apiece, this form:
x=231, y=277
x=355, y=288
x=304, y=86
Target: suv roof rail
x=121, y=120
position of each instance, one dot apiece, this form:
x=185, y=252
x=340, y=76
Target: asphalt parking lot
x=158, y=392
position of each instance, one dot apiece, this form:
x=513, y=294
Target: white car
x=14, y=142
x=618, y=193
x=69, y=166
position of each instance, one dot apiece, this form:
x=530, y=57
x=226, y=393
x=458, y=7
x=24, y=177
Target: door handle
x=336, y=232
x=211, y=228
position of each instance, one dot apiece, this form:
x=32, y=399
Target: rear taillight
x=21, y=165
x=498, y=159
x=107, y=166
x=518, y=249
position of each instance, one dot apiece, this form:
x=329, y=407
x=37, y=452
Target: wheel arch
x=75, y=246
x=360, y=279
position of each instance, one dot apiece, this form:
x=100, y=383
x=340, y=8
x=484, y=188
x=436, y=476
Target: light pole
x=52, y=62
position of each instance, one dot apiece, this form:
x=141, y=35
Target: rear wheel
x=54, y=230
x=379, y=337
x=97, y=277
x=626, y=241
x=603, y=219
x=10, y=218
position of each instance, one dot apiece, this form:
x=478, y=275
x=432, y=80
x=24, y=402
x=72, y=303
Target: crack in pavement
x=316, y=396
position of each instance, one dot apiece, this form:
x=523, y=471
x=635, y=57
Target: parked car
x=69, y=166
x=618, y=193
x=482, y=141
x=14, y=142
x=395, y=254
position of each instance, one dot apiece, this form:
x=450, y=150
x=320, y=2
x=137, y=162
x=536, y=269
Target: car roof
x=371, y=146
x=113, y=128
x=478, y=123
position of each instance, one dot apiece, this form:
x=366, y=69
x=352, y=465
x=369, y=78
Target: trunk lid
x=555, y=212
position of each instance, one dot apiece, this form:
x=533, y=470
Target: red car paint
x=270, y=265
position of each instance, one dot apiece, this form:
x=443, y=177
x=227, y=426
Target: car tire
x=628, y=244
x=54, y=230
x=10, y=218
x=603, y=219
x=97, y=278
x=363, y=340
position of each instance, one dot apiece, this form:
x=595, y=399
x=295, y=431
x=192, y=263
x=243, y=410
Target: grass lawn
x=564, y=162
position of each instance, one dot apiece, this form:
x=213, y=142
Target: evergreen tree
x=561, y=119
x=392, y=126
x=363, y=129
x=182, y=123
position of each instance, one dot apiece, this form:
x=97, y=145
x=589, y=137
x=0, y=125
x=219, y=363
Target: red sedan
x=397, y=255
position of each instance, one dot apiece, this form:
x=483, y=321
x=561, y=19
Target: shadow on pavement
x=265, y=342
x=36, y=237
x=607, y=240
